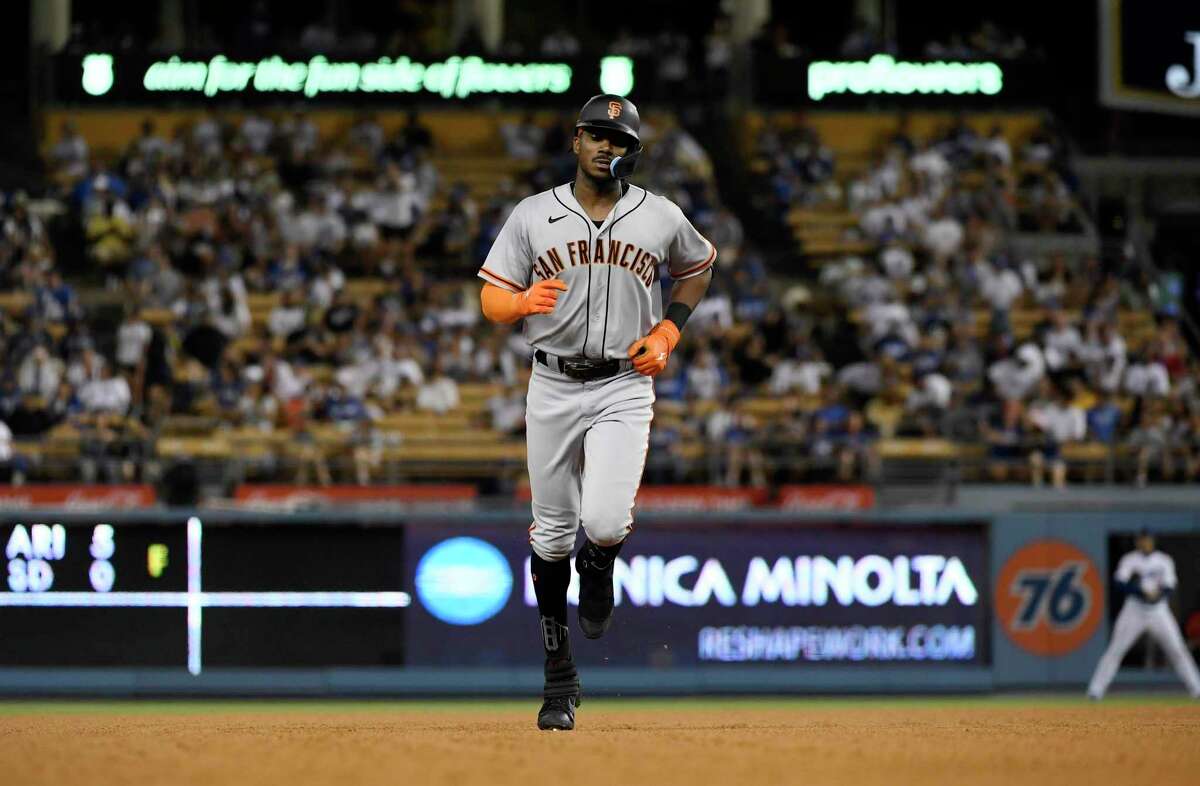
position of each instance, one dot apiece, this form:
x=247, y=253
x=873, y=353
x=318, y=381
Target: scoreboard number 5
x=101, y=573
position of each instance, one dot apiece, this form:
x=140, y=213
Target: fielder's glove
x=651, y=352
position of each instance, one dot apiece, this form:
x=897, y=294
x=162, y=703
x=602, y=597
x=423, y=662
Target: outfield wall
x=384, y=603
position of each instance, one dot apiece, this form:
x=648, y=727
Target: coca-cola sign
x=76, y=497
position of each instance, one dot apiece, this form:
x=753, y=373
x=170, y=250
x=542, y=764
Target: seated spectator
x=402, y=368
x=1004, y=434
x=829, y=424
x=12, y=466
x=1104, y=419
x=885, y=412
x=523, y=138
x=366, y=444
x=289, y=317
x=344, y=408
x=108, y=395
x=397, y=211
x=1017, y=376
x=1155, y=440
x=1190, y=442
x=56, y=300
x=732, y=434
x=1059, y=424
x=70, y=154
x=1147, y=375
x=439, y=393
x=856, y=456
x=507, y=411
x=133, y=339
x=804, y=373
x=705, y=377
x=41, y=373
x=449, y=233
x=109, y=226
x=1105, y=356
x=303, y=445
x=1062, y=343
x=927, y=402
x=227, y=388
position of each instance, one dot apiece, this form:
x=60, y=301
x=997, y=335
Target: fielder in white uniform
x=1148, y=578
x=580, y=265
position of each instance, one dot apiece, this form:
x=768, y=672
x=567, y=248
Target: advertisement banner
x=98, y=78
x=717, y=595
x=70, y=496
x=1049, y=598
x=826, y=497
x=459, y=496
x=685, y=497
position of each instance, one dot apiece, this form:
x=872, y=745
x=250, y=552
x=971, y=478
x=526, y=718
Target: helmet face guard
x=622, y=167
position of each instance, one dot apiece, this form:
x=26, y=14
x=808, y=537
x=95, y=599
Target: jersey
x=611, y=270
x=1155, y=570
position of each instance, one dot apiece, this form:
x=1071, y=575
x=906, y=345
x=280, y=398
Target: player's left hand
x=651, y=352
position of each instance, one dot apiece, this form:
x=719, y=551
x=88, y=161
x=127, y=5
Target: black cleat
x=557, y=714
x=595, y=570
x=592, y=629
x=562, y=691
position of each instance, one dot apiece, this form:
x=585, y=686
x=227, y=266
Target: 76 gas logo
x=1048, y=598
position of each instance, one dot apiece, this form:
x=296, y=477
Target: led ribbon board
x=883, y=74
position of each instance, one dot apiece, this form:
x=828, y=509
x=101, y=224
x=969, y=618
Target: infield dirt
x=617, y=743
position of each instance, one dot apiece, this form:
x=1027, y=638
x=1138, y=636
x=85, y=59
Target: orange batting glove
x=651, y=352
x=500, y=305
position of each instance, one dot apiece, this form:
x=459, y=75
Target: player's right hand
x=540, y=298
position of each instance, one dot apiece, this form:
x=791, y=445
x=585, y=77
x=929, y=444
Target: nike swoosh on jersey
x=551, y=220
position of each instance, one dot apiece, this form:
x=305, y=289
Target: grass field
x=619, y=742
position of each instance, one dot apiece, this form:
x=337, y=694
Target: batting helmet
x=614, y=113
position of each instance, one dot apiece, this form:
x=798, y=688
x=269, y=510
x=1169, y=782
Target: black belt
x=582, y=369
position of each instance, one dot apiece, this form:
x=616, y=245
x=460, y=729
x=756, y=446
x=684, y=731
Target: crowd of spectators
x=364, y=257
x=955, y=335
x=361, y=252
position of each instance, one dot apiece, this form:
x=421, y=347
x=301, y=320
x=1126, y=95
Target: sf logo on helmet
x=614, y=109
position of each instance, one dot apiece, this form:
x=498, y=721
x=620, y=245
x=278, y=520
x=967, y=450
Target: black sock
x=598, y=558
x=550, y=582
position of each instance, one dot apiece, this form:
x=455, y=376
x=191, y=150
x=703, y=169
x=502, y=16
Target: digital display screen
x=1150, y=56
x=74, y=564
x=746, y=594
x=190, y=595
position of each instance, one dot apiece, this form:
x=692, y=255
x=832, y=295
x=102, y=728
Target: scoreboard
x=163, y=594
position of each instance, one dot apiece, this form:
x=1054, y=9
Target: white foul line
x=195, y=599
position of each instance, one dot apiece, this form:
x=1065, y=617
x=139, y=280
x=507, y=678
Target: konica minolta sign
x=835, y=594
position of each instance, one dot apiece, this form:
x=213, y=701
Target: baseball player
x=1148, y=578
x=579, y=263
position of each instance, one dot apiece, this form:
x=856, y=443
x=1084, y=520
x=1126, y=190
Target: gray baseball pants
x=587, y=444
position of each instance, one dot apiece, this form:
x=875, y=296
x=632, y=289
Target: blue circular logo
x=463, y=581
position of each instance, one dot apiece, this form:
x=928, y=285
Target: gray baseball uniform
x=587, y=441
